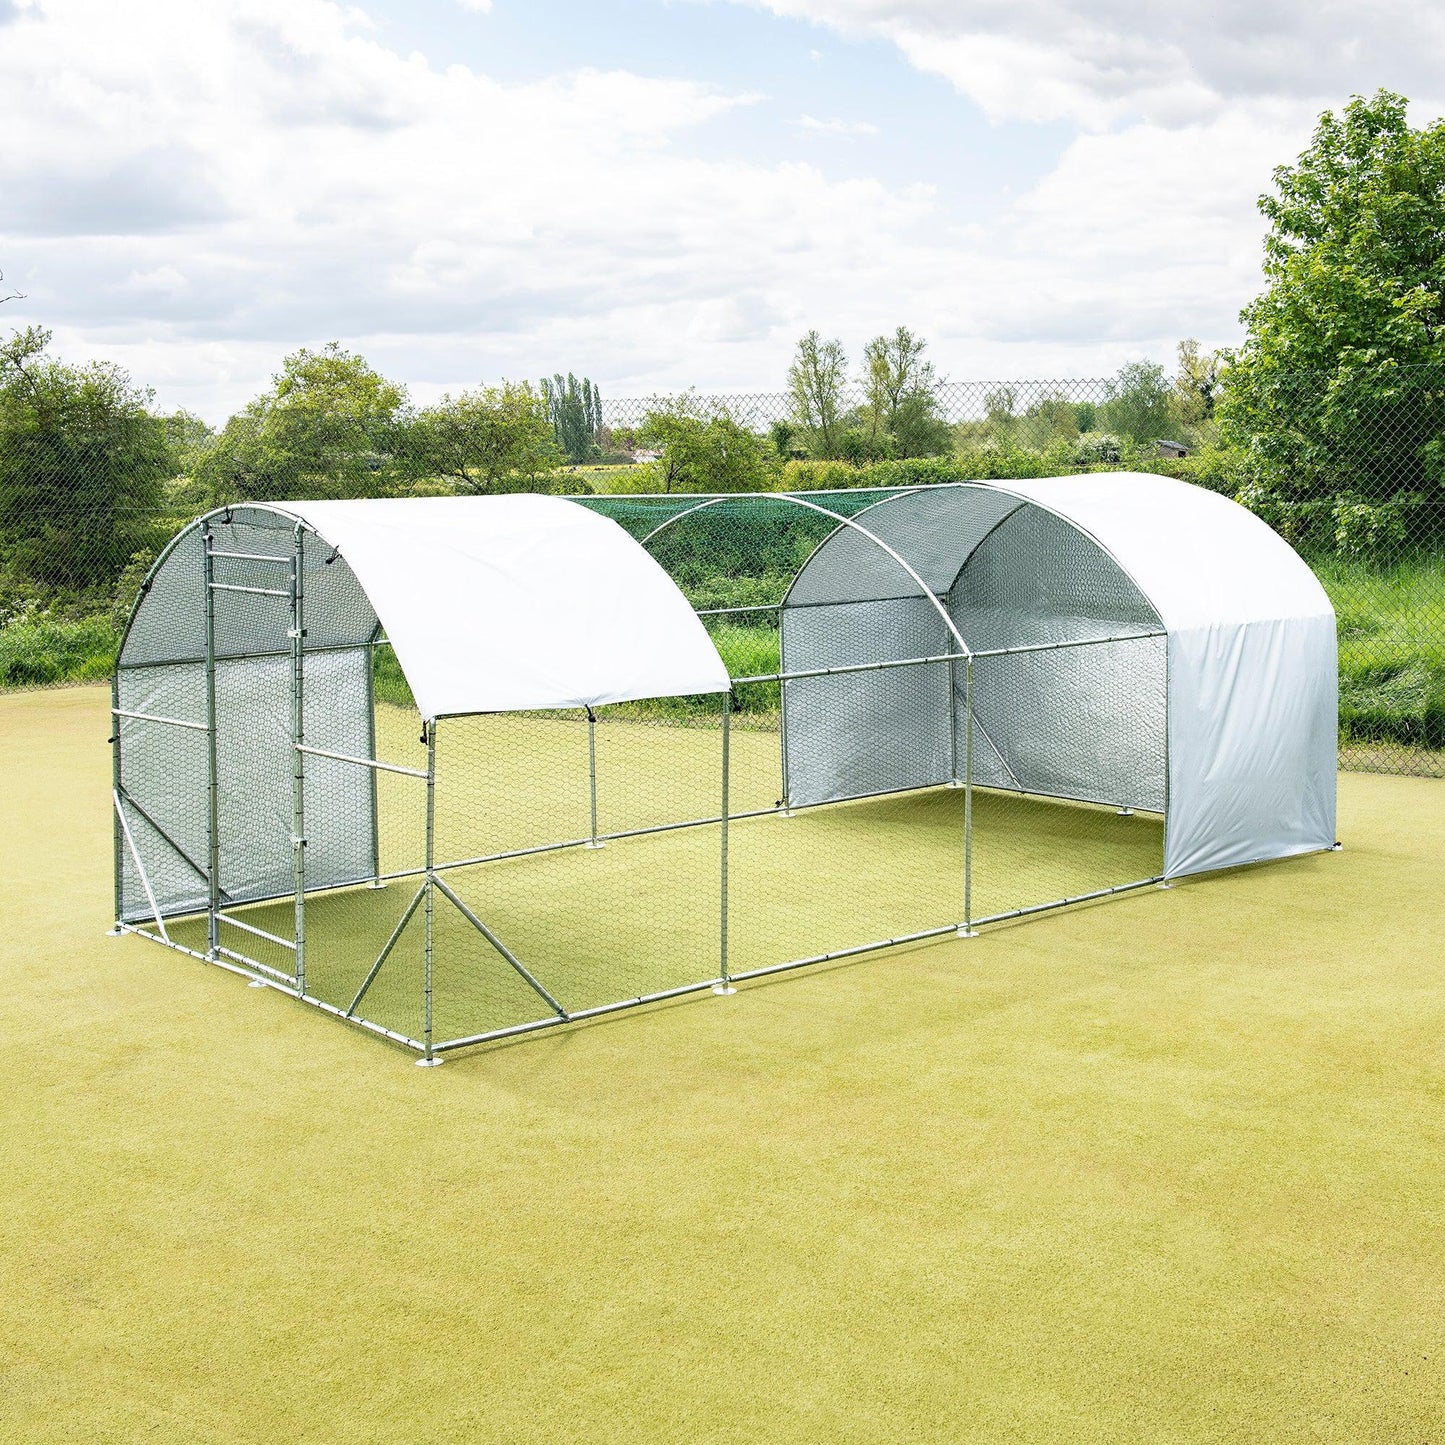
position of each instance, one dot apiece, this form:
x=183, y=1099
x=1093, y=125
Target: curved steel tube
x=948, y=622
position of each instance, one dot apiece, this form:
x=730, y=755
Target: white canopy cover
x=1253, y=671
x=1217, y=708
x=494, y=604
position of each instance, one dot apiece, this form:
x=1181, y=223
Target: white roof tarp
x=496, y=604
x=1250, y=734
x=1253, y=679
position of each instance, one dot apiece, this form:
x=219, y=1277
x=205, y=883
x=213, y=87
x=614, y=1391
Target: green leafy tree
x=492, y=439
x=83, y=464
x=324, y=429
x=784, y=436
x=706, y=452
x=900, y=407
x=575, y=408
x=1137, y=402
x=1051, y=419
x=1000, y=409
x=1335, y=394
x=815, y=387
x=1196, y=385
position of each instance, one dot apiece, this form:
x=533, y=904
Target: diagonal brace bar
x=502, y=949
x=385, y=953
x=140, y=867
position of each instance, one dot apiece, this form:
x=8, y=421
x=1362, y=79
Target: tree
x=82, y=465
x=1052, y=418
x=704, y=452
x=815, y=385
x=1196, y=384
x=1336, y=392
x=1000, y=408
x=575, y=408
x=1137, y=402
x=899, y=412
x=325, y=429
x=783, y=434
x=493, y=439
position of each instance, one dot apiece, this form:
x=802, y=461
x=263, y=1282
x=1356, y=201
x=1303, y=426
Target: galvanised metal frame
x=433, y=883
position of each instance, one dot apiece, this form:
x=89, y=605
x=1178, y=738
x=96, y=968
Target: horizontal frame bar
x=849, y=667
x=254, y=557
x=254, y=591
x=945, y=657
x=173, y=722
x=259, y=932
x=249, y=656
x=728, y=611
x=359, y=762
x=853, y=952
x=241, y=958
x=1068, y=902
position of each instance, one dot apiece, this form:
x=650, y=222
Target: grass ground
x=1161, y=1169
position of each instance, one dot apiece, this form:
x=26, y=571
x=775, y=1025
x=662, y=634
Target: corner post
x=371, y=753
x=966, y=928
x=213, y=782
x=725, y=984
x=428, y=1058
x=116, y=842
x=298, y=758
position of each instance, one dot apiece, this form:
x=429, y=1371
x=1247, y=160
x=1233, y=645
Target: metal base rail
x=250, y=969
x=246, y=969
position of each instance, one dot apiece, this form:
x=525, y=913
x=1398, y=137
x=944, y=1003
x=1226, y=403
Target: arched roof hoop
x=945, y=544
x=843, y=522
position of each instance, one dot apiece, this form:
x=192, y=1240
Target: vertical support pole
x=724, y=986
x=371, y=753
x=117, y=843
x=428, y=1058
x=592, y=773
x=213, y=781
x=966, y=928
x=953, y=778
x=298, y=758
x=782, y=717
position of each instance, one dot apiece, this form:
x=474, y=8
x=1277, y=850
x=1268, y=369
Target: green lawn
x=1162, y=1169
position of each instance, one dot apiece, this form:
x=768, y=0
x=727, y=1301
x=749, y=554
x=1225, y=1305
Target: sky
x=657, y=193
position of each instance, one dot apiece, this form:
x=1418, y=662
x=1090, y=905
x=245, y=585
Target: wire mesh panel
x=563, y=915
x=821, y=879
x=1072, y=803
x=366, y=943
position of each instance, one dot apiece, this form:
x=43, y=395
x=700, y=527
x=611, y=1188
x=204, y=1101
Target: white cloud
x=835, y=126
x=482, y=7
x=1099, y=62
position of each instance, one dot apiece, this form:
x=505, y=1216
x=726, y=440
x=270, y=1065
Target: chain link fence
x=1351, y=471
